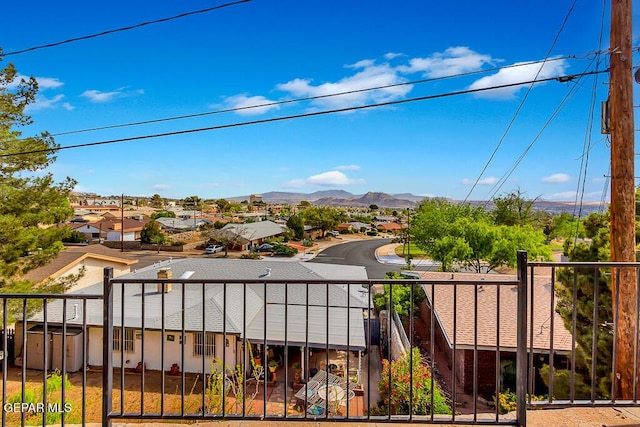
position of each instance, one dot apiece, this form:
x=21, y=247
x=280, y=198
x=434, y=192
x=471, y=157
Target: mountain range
x=343, y=198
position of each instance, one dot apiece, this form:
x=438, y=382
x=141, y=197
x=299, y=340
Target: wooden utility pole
x=622, y=195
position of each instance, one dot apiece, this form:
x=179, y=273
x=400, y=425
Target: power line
x=290, y=101
x=498, y=185
x=290, y=117
x=521, y=105
x=131, y=27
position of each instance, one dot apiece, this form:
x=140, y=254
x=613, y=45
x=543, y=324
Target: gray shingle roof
x=238, y=313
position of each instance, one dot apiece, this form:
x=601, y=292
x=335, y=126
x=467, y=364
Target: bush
x=507, y=401
x=178, y=243
x=29, y=397
x=284, y=250
x=251, y=255
x=400, y=388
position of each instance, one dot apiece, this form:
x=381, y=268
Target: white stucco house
x=219, y=319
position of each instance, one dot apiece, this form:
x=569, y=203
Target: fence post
x=521, y=355
x=107, y=346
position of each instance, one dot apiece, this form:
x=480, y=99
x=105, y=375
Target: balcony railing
x=201, y=350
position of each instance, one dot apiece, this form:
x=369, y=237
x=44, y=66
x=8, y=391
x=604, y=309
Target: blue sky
x=266, y=51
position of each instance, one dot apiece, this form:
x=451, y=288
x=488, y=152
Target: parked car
x=212, y=249
x=334, y=233
x=265, y=247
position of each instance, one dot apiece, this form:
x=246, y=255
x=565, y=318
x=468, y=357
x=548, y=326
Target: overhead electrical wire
x=291, y=117
x=309, y=98
x=130, y=27
x=584, y=164
x=498, y=185
x=521, y=105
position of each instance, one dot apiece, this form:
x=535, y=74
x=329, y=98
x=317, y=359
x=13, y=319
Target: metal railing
x=190, y=352
x=587, y=298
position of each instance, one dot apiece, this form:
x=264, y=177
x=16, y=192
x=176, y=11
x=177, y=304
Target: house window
x=128, y=339
x=209, y=345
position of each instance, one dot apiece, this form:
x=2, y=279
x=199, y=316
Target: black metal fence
x=587, y=300
x=202, y=350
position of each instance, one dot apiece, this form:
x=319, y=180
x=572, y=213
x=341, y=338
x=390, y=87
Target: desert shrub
x=251, y=255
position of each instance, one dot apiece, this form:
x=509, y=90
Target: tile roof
x=487, y=309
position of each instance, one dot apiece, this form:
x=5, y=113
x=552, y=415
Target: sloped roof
x=244, y=302
x=73, y=255
x=255, y=230
x=487, y=309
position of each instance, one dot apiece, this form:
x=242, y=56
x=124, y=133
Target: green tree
x=150, y=232
x=597, y=251
x=31, y=201
x=296, y=224
x=156, y=202
x=324, y=217
x=163, y=214
x=192, y=202
x=223, y=205
x=401, y=296
x=513, y=209
x=467, y=236
x=373, y=207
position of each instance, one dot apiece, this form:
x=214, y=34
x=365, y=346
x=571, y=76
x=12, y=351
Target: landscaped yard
x=415, y=251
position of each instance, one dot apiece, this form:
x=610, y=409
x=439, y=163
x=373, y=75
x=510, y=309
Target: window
x=209, y=346
x=128, y=339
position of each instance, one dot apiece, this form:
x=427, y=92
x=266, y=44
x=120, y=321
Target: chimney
x=164, y=273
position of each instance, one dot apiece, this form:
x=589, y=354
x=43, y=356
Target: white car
x=212, y=249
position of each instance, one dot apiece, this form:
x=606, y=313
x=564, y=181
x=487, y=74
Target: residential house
x=345, y=227
x=178, y=225
x=252, y=234
x=89, y=260
x=247, y=308
x=486, y=343
x=116, y=230
x=390, y=227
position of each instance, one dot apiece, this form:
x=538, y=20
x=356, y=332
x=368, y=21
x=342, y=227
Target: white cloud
x=365, y=63
x=391, y=55
x=43, y=82
x=330, y=178
x=212, y=184
x=491, y=180
x=347, y=168
x=48, y=83
x=98, y=96
x=556, y=178
x=68, y=106
x=454, y=60
x=161, y=187
x=599, y=179
x=370, y=76
x=44, y=103
x=245, y=102
x=519, y=72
